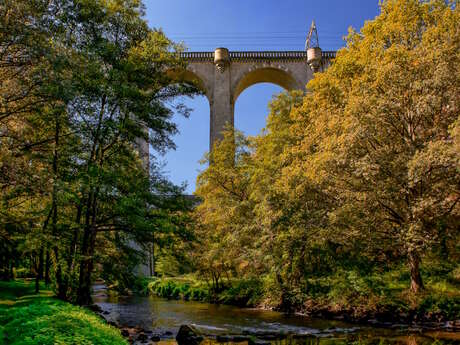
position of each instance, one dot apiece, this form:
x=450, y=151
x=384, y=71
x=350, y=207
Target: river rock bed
x=150, y=320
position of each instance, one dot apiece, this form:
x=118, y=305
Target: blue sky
x=239, y=25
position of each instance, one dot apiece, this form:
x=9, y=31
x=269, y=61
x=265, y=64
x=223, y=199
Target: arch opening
x=192, y=141
x=265, y=75
x=193, y=132
x=251, y=110
x=190, y=77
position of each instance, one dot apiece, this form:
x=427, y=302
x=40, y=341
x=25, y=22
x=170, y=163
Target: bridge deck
x=247, y=56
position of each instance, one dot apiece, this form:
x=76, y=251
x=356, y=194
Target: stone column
x=221, y=102
x=142, y=146
x=144, y=153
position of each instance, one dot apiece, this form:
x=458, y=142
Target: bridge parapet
x=248, y=56
x=198, y=56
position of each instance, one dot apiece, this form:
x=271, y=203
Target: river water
x=163, y=318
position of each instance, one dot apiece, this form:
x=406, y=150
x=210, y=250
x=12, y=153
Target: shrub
x=243, y=293
x=440, y=305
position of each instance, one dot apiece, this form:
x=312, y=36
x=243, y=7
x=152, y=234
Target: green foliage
x=32, y=319
x=243, y=293
x=350, y=181
x=381, y=292
x=177, y=289
x=84, y=95
x=440, y=304
x=386, y=292
x=22, y=273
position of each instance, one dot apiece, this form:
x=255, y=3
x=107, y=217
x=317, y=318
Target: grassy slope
x=27, y=318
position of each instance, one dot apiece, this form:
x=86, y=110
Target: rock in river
x=189, y=335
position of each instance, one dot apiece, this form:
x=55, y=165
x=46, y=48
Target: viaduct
x=223, y=75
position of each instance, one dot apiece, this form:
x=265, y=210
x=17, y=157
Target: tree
x=121, y=89
x=291, y=213
x=222, y=217
x=31, y=76
x=376, y=129
x=89, y=82
x=360, y=171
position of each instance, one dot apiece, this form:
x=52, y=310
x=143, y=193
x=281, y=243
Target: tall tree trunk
x=37, y=283
x=61, y=287
x=47, y=268
x=87, y=252
x=86, y=267
x=82, y=292
x=36, y=261
x=416, y=283
x=11, y=276
x=41, y=263
x=89, y=233
x=39, y=270
x=73, y=248
x=47, y=259
x=31, y=264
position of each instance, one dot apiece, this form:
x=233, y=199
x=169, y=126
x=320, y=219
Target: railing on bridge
x=329, y=54
x=255, y=56
x=198, y=56
x=269, y=55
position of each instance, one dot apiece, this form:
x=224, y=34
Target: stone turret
x=221, y=59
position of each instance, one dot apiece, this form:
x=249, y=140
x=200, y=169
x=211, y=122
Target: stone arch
x=266, y=74
x=190, y=76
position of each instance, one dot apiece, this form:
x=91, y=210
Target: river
x=162, y=318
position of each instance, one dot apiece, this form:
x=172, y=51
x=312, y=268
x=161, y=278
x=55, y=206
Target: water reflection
x=155, y=314
x=164, y=317
x=403, y=340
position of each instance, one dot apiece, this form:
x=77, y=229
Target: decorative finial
x=312, y=38
x=314, y=54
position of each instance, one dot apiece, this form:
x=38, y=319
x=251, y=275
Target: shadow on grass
x=20, y=292
x=29, y=318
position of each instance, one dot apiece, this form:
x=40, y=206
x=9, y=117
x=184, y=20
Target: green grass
x=179, y=288
x=244, y=293
x=28, y=318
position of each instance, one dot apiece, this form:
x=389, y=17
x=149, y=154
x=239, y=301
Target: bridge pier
x=221, y=103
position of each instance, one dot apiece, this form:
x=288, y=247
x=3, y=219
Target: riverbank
x=157, y=318
x=380, y=299
x=29, y=318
